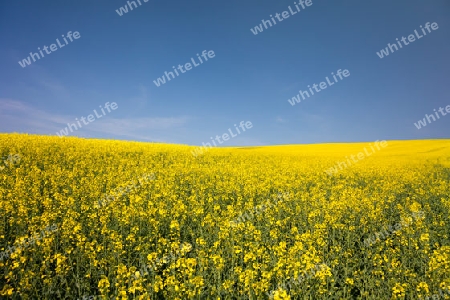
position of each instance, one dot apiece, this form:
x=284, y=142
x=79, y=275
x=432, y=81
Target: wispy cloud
x=138, y=128
x=281, y=120
x=18, y=116
x=55, y=88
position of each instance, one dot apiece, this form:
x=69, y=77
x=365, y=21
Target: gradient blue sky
x=250, y=79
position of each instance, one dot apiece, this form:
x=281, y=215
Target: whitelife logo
x=392, y=229
x=197, y=151
x=90, y=119
x=284, y=15
x=27, y=61
x=323, y=85
x=360, y=156
x=124, y=9
x=27, y=242
x=11, y=160
x=158, y=82
x=423, y=123
x=411, y=38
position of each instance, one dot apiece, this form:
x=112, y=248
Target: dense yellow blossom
x=151, y=221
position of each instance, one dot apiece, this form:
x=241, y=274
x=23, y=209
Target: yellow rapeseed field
x=128, y=220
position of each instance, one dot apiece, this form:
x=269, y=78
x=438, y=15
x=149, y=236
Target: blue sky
x=251, y=77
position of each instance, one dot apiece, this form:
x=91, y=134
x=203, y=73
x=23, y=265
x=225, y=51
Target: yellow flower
x=281, y=295
x=398, y=291
x=174, y=224
x=172, y=235
x=425, y=237
x=103, y=285
x=422, y=286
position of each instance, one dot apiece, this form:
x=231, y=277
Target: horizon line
x=219, y=147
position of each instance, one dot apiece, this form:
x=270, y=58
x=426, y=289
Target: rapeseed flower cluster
x=173, y=237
